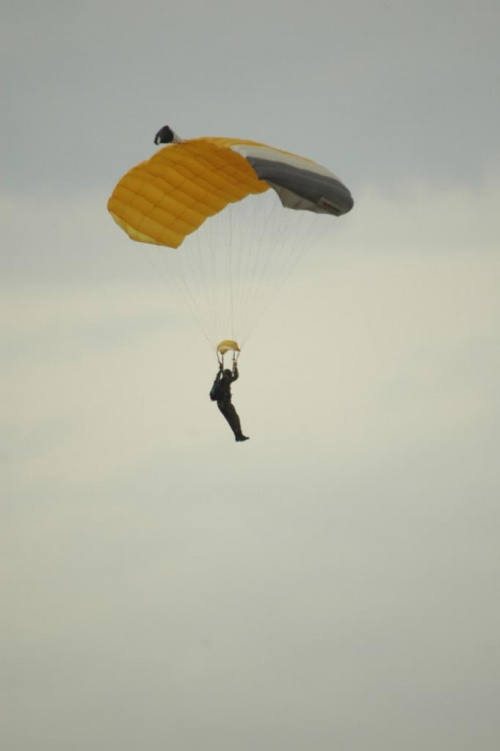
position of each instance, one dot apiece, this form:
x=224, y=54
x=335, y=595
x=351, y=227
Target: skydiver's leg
x=234, y=421
x=229, y=412
x=236, y=425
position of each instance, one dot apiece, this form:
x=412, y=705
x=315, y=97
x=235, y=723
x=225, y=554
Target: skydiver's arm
x=235, y=375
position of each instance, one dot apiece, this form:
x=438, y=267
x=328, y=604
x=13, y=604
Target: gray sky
x=333, y=582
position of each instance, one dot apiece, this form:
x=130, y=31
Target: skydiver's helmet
x=227, y=373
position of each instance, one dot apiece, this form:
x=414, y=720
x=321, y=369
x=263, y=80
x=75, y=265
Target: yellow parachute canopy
x=168, y=197
x=162, y=200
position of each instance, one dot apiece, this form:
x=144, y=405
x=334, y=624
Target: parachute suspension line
x=215, y=242
x=225, y=281
x=291, y=238
x=278, y=252
x=235, y=256
x=269, y=241
x=228, y=273
x=168, y=272
x=242, y=252
x=231, y=260
x=202, y=272
x=194, y=271
x=252, y=254
x=231, y=253
x=189, y=296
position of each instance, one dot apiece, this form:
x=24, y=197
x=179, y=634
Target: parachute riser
x=220, y=359
x=225, y=347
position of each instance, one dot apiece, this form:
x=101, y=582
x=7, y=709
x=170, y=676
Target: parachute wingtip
x=166, y=135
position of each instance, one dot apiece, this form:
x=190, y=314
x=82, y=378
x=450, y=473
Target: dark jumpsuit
x=225, y=404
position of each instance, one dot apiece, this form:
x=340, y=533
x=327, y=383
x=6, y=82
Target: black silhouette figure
x=221, y=393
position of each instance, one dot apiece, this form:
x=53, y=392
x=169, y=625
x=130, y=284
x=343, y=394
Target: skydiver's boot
x=242, y=437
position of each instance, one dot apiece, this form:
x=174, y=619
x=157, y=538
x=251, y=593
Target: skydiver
x=221, y=392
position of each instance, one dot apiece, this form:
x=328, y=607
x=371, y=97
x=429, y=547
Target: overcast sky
x=333, y=582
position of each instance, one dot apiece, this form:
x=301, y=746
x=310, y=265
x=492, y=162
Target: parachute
x=167, y=200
